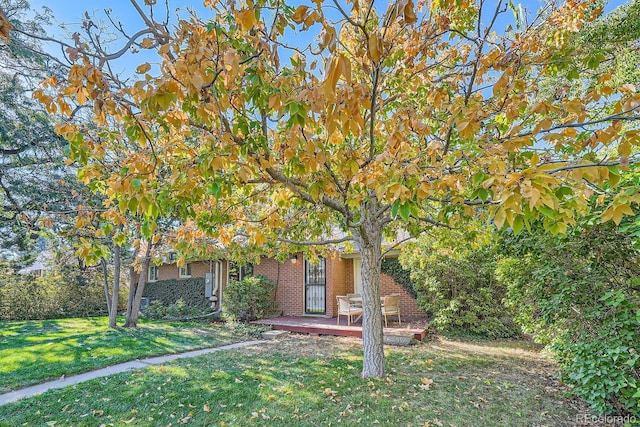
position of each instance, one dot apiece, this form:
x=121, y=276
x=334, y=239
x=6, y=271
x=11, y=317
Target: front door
x=315, y=287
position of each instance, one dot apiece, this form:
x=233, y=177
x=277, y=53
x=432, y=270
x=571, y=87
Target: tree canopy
x=391, y=119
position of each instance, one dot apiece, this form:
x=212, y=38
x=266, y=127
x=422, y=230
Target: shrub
x=55, y=295
x=181, y=310
x=579, y=295
x=453, y=275
x=156, y=310
x=190, y=291
x=249, y=299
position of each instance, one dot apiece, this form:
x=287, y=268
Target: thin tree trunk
x=133, y=283
x=105, y=282
x=368, y=238
x=135, y=292
x=113, y=311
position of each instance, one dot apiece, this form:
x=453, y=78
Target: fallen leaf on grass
x=426, y=383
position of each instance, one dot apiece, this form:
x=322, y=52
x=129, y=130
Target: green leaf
x=518, y=224
x=133, y=205
x=483, y=194
x=405, y=210
x=547, y=211
x=394, y=209
x=479, y=178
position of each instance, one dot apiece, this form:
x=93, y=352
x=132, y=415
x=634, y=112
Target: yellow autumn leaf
x=197, y=81
x=627, y=88
x=616, y=213
x=245, y=173
x=81, y=96
x=259, y=238
x=344, y=65
x=299, y=14
x=500, y=217
x=624, y=148
x=375, y=47
x=311, y=19
x=409, y=13
x=147, y=42
x=535, y=196
x=246, y=19
x=331, y=80
x=274, y=101
x=5, y=25
x=501, y=83
x=143, y=68
x=426, y=383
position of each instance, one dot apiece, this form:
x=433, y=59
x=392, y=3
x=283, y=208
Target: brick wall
x=289, y=280
x=170, y=271
x=336, y=283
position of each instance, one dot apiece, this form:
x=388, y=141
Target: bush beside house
x=168, y=292
x=249, y=299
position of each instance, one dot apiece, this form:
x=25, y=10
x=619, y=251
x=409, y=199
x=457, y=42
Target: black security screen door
x=315, y=281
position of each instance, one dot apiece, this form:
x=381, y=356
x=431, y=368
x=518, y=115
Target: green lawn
x=35, y=351
x=311, y=381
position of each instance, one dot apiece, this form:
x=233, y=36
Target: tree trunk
x=105, y=283
x=368, y=238
x=113, y=310
x=136, y=289
x=133, y=284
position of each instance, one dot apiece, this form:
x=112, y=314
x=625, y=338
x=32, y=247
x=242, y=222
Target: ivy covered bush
x=191, y=291
x=249, y=299
x=580, y=295
x=453, y=276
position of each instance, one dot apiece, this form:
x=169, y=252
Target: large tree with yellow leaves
x=394, y=117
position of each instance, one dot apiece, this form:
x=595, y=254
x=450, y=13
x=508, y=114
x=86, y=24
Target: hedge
x=26, y=297
x=191, y=291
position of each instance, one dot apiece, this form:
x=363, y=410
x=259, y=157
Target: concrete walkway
x=110, y=370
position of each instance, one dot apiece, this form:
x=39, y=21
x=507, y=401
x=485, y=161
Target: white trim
x=357, y=276
x=187, y=271
x=150, y=277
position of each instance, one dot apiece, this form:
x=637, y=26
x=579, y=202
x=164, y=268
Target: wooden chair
x=355, y=303
x=345, y=308
x=391, y=307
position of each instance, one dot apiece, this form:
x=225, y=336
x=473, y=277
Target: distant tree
x=35, y=184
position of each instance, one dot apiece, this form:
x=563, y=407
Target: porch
x=327, y=326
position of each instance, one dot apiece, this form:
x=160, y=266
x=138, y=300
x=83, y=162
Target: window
x=238, y=272
x=152, y=275
x=184, y=271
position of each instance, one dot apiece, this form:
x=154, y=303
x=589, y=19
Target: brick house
x=302, y=288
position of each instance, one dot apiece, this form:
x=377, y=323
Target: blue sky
x=70, y=12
